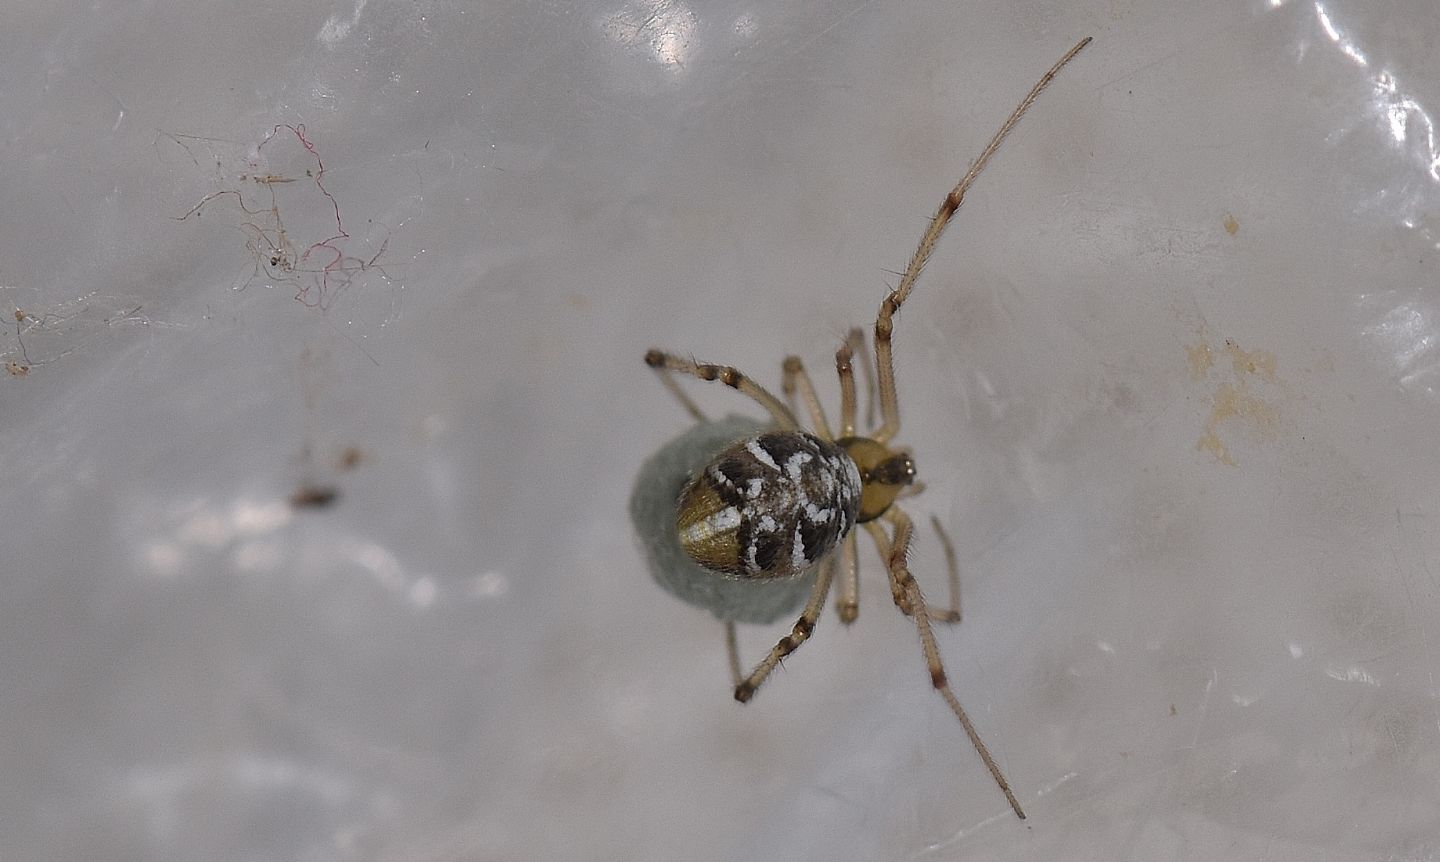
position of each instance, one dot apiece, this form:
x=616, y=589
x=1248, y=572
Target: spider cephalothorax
x=884, y=474
x=776, y=504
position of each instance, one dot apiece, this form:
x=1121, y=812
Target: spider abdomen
x=769, y=506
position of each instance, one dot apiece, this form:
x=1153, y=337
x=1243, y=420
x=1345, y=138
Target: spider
x=778, y=503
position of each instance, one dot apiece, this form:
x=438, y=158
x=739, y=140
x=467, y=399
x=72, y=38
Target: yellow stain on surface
x=1232, y=224
x=1201, y=359
x=1234, y=403
x=1253, y=362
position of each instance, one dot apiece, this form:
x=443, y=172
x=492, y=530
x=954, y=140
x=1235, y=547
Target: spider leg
x=845, y=369
x=854, y=346
x=912, y=604
x=732, y=652
x=884, y=547
x=798, y=635
x=847, y=605
x=660, y=360
x=796, y=378
x=953, y=570
x=884, y=323
x=674, y=386
x=882, y=544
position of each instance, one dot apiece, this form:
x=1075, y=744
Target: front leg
x=909, y=600
x=731, y=377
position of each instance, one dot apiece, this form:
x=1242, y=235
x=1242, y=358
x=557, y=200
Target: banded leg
x=797, y=379
x=884, y=322
x=884, y=545
x=885, y=548
x=798, y=635
x=847, y=605
x=730, y=377
x=912, y=603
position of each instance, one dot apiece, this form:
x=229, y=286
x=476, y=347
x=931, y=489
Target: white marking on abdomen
x=754, y=448
x=725, y=519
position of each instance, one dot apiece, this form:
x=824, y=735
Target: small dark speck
x=314, y=497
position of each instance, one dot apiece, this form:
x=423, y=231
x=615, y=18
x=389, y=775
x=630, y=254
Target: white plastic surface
x=1171, y=380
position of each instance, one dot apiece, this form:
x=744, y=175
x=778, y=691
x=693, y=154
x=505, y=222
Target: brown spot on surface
x=1232, y=224
x=314, y=497
x=16, y=369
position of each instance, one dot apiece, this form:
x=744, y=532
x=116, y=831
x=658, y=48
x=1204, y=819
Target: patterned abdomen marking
x=769, y=506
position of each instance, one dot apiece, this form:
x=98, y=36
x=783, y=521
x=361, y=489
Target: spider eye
x=895, y=470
